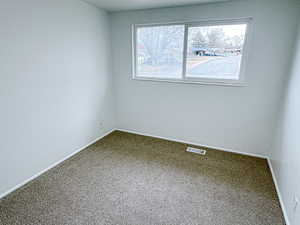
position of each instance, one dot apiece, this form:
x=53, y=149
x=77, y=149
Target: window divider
x=185, y=44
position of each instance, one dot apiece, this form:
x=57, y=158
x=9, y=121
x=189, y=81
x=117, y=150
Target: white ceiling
x=118, y=5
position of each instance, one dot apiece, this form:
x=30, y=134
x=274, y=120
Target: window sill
x=199, y=82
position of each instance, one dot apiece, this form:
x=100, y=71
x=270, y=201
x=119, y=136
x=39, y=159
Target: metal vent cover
x=196, y=150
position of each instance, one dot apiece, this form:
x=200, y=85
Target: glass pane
x=160, y=51
x=215, y=51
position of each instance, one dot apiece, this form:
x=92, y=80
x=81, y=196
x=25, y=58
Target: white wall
x=56, y=86
x=285, y=154
x=55, y=83
x=237, y=118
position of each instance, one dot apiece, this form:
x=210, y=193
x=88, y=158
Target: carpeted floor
x=127, y=179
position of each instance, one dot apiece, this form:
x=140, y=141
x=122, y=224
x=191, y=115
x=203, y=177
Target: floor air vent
x=196, y=150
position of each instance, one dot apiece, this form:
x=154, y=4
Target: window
x=160, y=51
x=204, y=52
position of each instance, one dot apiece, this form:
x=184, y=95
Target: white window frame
x=213, y=81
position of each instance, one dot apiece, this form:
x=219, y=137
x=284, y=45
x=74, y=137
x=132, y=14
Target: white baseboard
x=278, y=193
x=192, y=143
x=226, y=150
x=2, y=195
x=155, y=136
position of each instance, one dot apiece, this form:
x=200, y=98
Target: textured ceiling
x=118, y=5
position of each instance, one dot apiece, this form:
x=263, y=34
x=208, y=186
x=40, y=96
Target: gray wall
x=285, y=154
x=55, y=83
x=236, y=118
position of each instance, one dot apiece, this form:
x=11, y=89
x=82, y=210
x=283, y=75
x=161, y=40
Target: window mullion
x=184, y=51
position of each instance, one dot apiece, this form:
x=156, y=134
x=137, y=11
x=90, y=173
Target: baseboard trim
x=164, y=138
x=192, y=143
x=53, y=165
x=226, y=150
x=287, y=221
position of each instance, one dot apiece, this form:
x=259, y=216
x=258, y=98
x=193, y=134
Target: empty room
x=149, y=112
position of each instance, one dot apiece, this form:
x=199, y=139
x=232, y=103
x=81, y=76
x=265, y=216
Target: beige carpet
x=127, y=179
